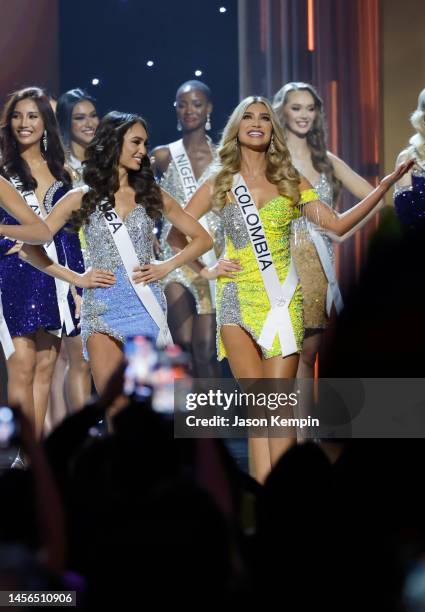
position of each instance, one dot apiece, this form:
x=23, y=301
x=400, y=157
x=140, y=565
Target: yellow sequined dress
x=243, y=300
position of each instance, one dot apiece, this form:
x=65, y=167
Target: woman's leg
x=48, y=347
x=306, y=371
x=181, y=313
x=106, y=353
x=204, y=347
x=246, y=363
x=308, y=355
x=56, y=410
x=281, y=368
x=77, y=385
x=20, y=375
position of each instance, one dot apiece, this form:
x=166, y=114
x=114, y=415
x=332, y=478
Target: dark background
x=113, y=39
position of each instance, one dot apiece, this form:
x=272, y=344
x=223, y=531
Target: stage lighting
x=95, y=81
x=149, y=63
x=222, y=9
x=198, y=72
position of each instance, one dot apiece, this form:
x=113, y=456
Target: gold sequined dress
x=198, y=286
x=312, y=277
x=243, y=300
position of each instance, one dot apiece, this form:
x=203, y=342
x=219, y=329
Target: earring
x=179, y=126
x=45, y=140
x=272, y=148
x=208, y=123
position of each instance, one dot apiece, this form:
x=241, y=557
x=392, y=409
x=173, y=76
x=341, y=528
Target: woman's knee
x=21, y=369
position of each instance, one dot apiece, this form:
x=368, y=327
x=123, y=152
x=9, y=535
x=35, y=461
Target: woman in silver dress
x=180, y=166
x=300, y=110
x=118, y=210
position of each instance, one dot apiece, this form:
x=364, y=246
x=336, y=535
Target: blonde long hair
x=279, y=168
x=417, y=120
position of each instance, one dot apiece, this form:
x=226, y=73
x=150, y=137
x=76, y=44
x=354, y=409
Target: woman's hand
x=395, y=176
x=93, y=278
x=151, y=272
x=15, y=249
x=78, y=301
x=224, y=267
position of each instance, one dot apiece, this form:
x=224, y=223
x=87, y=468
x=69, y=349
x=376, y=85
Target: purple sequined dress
x=409, y=201
x=28, y=295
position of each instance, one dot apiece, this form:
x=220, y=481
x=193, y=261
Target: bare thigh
x=244, y=356
x=105, y=353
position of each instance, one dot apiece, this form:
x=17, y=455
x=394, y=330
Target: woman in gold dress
x=253, y=152
x=300, y=110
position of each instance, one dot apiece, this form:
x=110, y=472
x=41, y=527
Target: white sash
x=129, y=258
x=62, y=287
x=190, y=185
x=5, y=338
x=333, y=294
x=278, y=320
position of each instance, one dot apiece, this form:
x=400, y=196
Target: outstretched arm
x=358, y=187
x=339, y=224
x=186, y=224
x=31, y=229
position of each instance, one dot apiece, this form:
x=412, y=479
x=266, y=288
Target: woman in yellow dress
x=256, y=168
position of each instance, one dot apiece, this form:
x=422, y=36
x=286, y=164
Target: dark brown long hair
x=101, y=171
x=11, y=161
x=316, y=138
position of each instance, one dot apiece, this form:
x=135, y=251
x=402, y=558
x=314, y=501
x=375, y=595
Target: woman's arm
x=160, y=159
x=198, y=206
x=63, y=209
x=339, y=224
x=201, y=242
x=93, y=277
x=32, y=229
x=358, y=187
x=406, y=179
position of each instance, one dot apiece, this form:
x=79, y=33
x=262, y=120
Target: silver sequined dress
x=312, y=277
x=117, y=311
x=198, y=286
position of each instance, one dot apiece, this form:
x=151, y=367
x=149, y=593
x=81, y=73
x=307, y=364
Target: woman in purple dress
x=36, y=308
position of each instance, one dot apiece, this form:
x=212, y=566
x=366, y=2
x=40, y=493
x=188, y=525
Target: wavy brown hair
x=11, y=161
x=279, y=168
x=316, y=138
x=101, y=171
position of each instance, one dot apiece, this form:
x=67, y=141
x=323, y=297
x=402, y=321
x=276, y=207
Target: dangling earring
x=179, y=126
x=272, y=148
x=45, y=140
x=208, y=123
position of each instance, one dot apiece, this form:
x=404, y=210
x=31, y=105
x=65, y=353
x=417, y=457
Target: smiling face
x=255, y=128
x=84, y=122
x=192, y=108
x=27, y=123
x=299, y=112
x=134, y=147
